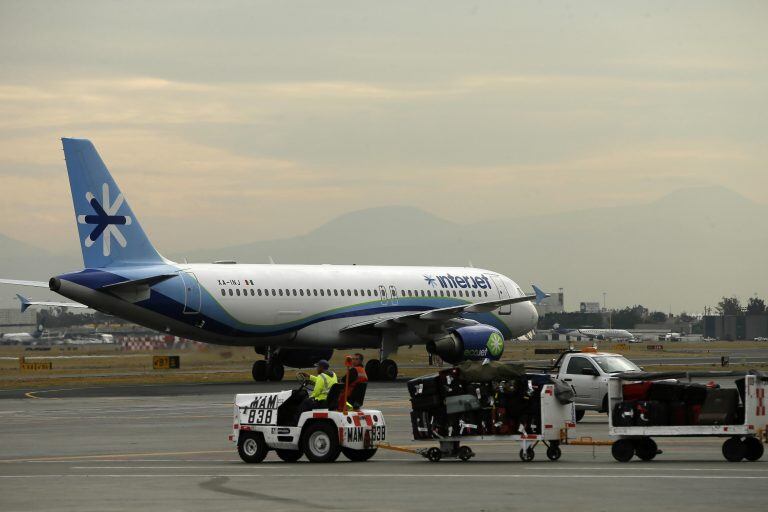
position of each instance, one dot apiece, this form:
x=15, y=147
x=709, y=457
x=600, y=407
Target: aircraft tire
x=275, y=372
x=388, y=370
x=372, y=369
x=259, y=371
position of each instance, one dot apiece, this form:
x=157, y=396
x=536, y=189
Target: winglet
x=24, y=302
x=540, y=295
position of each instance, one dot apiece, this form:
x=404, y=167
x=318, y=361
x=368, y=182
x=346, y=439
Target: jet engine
x=473, y=343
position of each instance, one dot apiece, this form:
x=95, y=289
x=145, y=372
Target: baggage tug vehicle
x=267, y=421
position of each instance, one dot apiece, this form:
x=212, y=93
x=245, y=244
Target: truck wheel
x=646, y=448
x=623, y=450
x=580, y=415
x=259, y=371
x=753, y=448
x=320, y=443
x=288, y=455
x=388, y=370
x=252, y=448
x=604, y=407
x=734, y=449
x=372, y=369
x=358, y=455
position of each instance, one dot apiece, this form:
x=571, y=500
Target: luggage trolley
x=555, y=419
x=648, y=405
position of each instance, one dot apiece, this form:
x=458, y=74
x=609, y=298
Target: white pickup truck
x=588, y=372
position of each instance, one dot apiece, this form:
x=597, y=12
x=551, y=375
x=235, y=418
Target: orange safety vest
x=361, y=377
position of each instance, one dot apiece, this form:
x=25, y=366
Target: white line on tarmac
x=387, y=475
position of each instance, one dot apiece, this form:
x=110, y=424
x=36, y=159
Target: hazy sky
x=226, y=122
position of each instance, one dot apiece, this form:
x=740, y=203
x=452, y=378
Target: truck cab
x=588, y=371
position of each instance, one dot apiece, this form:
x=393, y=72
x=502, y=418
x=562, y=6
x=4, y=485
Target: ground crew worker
x=357, y=376
x=322, y=382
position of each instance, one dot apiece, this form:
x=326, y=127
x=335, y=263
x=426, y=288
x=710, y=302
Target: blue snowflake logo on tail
x=105, y=220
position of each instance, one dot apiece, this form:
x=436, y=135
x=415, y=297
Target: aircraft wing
x=17, y=282
x=441, y=316
x=26, y=303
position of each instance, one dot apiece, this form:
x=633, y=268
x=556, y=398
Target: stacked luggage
x=659, y=403
x=471, y=400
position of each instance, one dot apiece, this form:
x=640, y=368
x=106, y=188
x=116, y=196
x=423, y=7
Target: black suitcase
x=451, y=382
x=666, y=392
x=420, y=424
x=720, y=408
x=427, y=402
x=624, y=414
x=651, y=413
x=695, y=394
x=427, y=385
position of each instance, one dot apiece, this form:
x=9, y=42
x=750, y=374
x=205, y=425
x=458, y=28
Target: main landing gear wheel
x=320, y=443
x=372, y=369
x=646, y=448
x=527, y=455
x=623, y=450
x=465, y=453
x=434, y=454
x=288, y=455
x=388, y=370
x=275, y=372
x=754, y=449
x=358, y=455
x=734, y=449
x=554, y=452
x=252, y=448
x=259, y=371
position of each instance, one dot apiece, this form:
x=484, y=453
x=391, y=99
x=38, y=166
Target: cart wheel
x=734, y=449
x=754, y=449
x=289, y=455
x=527, y=455
x=252, y=448
x=623, y=450
x=646, y=448
x=465, y=453
x=554, y=452
x=320, y=443
x=434, y=454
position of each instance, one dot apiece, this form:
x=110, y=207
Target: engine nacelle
x=471, y=343
x=302, y=357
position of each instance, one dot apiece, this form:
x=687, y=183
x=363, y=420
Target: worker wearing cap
x=322, y=382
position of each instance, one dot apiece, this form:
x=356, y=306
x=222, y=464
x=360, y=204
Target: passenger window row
x=322, y=292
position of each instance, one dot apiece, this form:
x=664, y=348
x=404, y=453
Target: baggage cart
x=555, y=419
x=744, y=430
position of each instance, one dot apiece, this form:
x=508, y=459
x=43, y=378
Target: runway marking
x=64, y=458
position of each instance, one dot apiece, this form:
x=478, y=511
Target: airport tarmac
x=165, y=447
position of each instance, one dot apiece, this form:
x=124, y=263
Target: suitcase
x=461, y=403
x=720, y=408
x=695, y=394
x=427, y=402
x=624, y=414
x=470, y=423
x=450, y=382
x=666, y=392
x=427, y=385
x=693, y=412
x=420, y=424
x=678, y=413
x=636, y=391
x=651, y=413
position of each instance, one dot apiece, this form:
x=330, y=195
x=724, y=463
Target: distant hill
x=683, y=251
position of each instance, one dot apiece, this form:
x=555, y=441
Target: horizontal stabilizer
x=26, y=303
x=17, y=282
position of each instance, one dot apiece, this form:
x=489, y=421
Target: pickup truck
x=588, y=372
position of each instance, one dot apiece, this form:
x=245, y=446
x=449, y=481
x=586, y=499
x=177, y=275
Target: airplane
x=593, y=334
x=293, y=315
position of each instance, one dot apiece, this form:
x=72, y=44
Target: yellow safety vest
x=322, y=383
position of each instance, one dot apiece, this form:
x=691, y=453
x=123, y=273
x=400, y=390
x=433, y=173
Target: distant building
x=589, y=307
x=552, y=304
x=731, y=327
x=13, y=320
